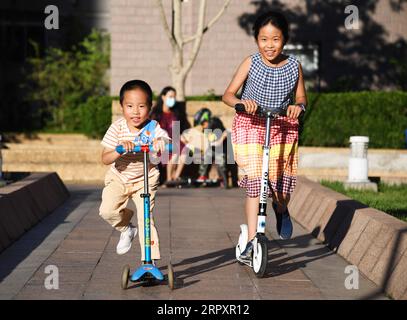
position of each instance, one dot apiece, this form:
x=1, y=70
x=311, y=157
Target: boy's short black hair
x=137, y=84
x=277, y=19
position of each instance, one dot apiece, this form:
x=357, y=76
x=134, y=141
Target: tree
x=180, y=67
x=62, y=80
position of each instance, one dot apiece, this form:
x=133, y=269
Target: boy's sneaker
x=284, y=225
x=246, y=255
x=126, y=238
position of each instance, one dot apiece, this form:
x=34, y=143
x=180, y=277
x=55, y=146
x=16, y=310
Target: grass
x=391, y=199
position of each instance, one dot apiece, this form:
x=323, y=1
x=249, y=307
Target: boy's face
x=135, y=108
x=270, y=42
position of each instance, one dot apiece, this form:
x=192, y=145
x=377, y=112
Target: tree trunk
x=177, y=75
x=178, y=81
x=179, y=71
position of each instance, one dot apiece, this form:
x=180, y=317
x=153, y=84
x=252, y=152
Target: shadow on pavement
x=21, y=249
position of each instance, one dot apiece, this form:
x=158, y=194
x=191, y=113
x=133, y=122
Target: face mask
x=170, y=102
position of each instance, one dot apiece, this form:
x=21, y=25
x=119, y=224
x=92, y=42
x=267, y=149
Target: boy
x=125, y=178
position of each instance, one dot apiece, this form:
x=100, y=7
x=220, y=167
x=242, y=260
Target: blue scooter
x=147, y=272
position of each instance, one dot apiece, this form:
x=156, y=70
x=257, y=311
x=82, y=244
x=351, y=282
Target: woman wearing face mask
x=166, y=111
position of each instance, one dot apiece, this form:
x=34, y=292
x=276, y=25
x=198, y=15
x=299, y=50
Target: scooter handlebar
x=145, y=148
x=239, y=107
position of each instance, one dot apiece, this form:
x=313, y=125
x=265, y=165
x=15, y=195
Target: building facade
x=23, y=21
x=335, y=57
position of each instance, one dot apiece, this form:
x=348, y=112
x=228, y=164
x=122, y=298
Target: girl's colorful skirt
x=248, y=134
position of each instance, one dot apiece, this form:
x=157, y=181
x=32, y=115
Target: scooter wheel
x=259, y=261
x=125, y=276
x=170, y=277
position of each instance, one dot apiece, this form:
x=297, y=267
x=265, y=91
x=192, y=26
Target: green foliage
x=96, y=116
x=332, y=118
x=61, y=81
x=391, y=199
x=210, y=95
x=400, y=66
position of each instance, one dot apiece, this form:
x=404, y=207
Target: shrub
x=332, y=118
x=96, y=116
x=62, y=80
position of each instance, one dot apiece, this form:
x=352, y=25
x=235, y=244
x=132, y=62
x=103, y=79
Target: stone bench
x=370, y=239
x=26, y=202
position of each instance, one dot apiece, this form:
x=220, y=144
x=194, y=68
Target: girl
x=269, y=79
x=166, y=112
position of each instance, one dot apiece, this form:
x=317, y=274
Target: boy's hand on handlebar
x=250, y=106
x=128, y=146
x=159, y=145
x=293, y=111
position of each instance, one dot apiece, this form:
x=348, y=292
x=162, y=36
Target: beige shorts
x=113, y=209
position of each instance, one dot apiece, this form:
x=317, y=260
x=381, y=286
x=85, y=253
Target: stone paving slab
x=198, y=229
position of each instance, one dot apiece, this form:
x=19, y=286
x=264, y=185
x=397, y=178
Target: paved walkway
x=198, y=229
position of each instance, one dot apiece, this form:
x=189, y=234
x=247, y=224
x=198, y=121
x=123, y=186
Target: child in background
x=194, y=138
x=216, y=153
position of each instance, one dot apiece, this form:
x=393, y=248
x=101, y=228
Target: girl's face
x=270, y=42
x=135, y=108
x=169, y=98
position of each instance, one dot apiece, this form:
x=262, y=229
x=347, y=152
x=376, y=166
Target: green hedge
x=95, y=116
x=332, y=118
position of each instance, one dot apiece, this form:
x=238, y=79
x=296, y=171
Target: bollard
x=358, y=165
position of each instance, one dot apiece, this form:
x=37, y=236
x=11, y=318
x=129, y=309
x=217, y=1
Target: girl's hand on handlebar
x=293, y=111
x=250, y=106
x=128, y=146
x=159, y=145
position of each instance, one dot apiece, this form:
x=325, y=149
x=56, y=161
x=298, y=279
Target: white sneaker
x=126, y=238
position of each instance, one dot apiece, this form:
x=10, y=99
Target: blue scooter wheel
x=125, y=276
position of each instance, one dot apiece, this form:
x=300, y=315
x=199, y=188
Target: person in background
x=167, y=112
x=194, y=140
x=217, y=137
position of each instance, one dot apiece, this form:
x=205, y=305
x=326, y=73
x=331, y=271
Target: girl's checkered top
x=271, y=87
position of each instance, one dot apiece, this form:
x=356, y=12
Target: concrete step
x=54, y=154
x=49, y=139
x=74, y=172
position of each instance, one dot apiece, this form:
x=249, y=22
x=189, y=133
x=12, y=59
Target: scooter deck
x=192, y=184
x=247, y=263
x=147, y=270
